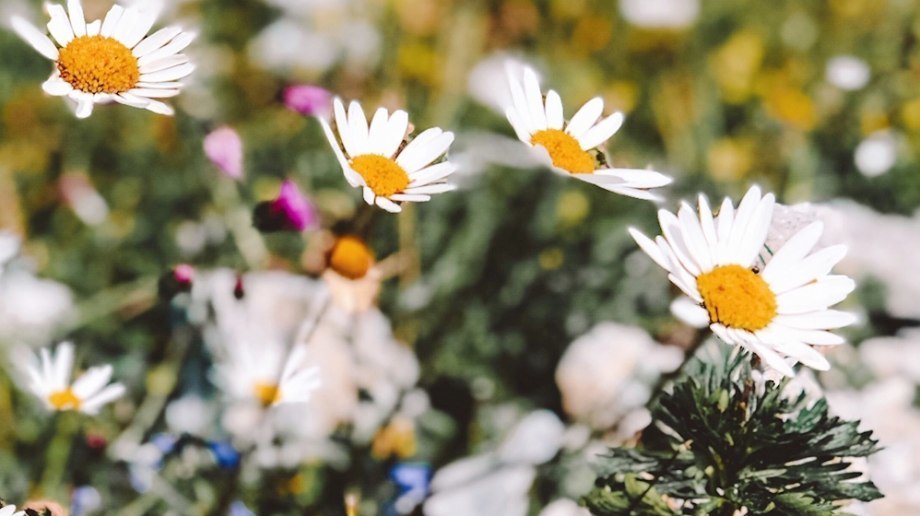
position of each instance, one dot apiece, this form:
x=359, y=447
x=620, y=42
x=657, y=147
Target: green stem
x=58, y=454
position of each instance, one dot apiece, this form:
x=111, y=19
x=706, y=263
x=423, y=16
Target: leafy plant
x=719, y=444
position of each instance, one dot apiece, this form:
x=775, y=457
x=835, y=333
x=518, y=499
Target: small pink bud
x=225, y=150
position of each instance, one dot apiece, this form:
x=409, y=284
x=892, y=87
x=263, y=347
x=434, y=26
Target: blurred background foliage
x=504, y=273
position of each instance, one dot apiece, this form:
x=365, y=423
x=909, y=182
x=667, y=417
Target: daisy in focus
x=573, y=148
x=375, y=158
x=49, y=379
x=264, y=372
x=110, y=60
x=778, y=310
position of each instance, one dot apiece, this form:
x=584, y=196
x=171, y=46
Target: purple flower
x=308, y=100
x=290, y=211
x=225, y=150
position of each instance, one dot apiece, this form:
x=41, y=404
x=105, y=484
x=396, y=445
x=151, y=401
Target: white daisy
x=573, y=148
x=110, y=59
x=252, y=370
x=352, y=274
x=49, y=379
x=375, y=159
x=779, y=310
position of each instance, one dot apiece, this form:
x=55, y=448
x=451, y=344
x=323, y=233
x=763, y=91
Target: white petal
x=57, y=87
x=519, y=101
x=170, y=74
x=520, y=128
x=142, y=25
x=554, y=117
x=670, y=227
x=160, y=85
x=631, y=192
x=59, y=25
x=107, y=395
x=369, y=196
x=770, y=357
x=110, y=23
x=601, y=132
x=175, y=46
x=404, y=197
x=131, y=100
x=823, y=293
x=77, y=22
x=650, y=248
x=752, y=241
x=431, y=174
x=534, y=99
x=160, y=108
x=793, y=251
x=707, y=223
x=90, y=382
x=724, y=228
x=162, y=64
x=388, y=205
x=357, y=124
x=84, y=105
x=821, y=320
x=811, y=268
x=431, y=189
x=34, y=37
x=693, y=234
x=377, y=130
x=341, y=124
x=585, y=118
x=154, y=41
x=154, y=93
x=126, y=25
x=394, y=133
x=746, y=210
x=338, y=152
x=422, y=155
x=63, y=365
x=418, y=144
x=93, y=28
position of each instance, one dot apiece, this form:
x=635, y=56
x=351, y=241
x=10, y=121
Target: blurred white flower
x=564, y=507
x=847, y=72
x=497, y=482
x=79, y=193
x=869, y=236
x=893, y=356
x=10, y=243
x=660, y=14
x=32, y=309
x=608, y=372
x=487, y=82
x=49, y=376
x=189, y=414
x=877, y=153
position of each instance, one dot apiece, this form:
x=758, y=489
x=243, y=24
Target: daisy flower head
x=572, y=148
x=110, y=60
x=49, y=377
x=778, y=310
x=261, y=371
x=352, y=275
x=376, y=158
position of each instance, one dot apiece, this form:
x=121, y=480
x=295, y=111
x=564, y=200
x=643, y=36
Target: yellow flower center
x=351, y=258
x=64, y=400
x=267, y=393
x=97, y=64
x=565, y=151
x=382, y=175
x=737, y=297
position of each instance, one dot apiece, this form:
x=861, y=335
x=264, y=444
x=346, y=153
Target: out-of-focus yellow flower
x=792, y=106
x=735, y=64
x=621, y=95
x=420, y=17
x=551, y=259
x=396, y=439
x=293, y=486
x=572, y=208
x=420, y=62
x=591, y=34
x=730, y=159
x=910, y=114
x=857, y=8
x=567, y=9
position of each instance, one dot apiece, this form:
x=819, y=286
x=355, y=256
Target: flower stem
x=58, y=454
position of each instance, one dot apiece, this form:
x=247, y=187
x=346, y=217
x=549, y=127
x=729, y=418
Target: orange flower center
x=267, y=393
x=351, y=258
x=737, y=297
x=382, y=175
x=565, y=151
x=98, y=64
x=64, y=400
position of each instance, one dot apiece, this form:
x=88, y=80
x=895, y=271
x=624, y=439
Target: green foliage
x=718, y=444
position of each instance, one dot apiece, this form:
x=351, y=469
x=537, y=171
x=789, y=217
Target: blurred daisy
x=777, y=311
x=266, y=373
x=49, y=379
x=110, y=59
x=375, y=159
x=10, y=510
x=572, y=148
x=352, y=275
